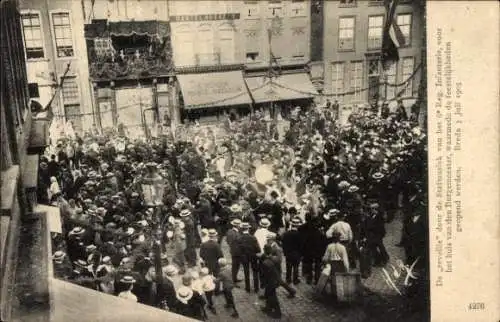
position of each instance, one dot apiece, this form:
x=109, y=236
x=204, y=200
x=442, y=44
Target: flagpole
x=269, y=72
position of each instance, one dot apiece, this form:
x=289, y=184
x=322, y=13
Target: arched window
x=226, y=44
x=205, y=46
x=184, y=54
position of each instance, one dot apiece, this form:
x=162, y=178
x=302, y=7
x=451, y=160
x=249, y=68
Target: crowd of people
x=321, y=194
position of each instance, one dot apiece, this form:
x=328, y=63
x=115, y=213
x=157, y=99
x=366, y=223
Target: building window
x=275, y=9
x=251, y=9
x=62, y=34
x=70, y=91
x=32, y=30
x=391, y=80
x=252, y=45
x=205, y=47
x=252, y=57
x=338, y=80
x=404, y=23
x=33, y=90
x=226, y=43
x=298, y=8
x=374, y=88
x=346, y=33
x=375, y=29
x=347, y=3
x=184, y=52
x=300, y=40
x=357, y=80
x=407, y=71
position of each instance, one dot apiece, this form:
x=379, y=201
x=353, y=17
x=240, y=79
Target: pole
x=269, y=68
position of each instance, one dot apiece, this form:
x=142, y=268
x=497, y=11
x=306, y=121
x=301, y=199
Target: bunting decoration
x=392, y=37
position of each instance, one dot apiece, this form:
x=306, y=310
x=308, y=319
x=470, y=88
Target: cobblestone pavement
x=306, y=306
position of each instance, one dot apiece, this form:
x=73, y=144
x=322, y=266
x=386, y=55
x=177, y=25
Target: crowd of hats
x=358, y=160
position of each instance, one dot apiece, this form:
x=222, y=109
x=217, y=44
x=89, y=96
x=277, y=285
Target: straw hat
x=170, y=270
x=90, y=248
x=212, y=233
x=59, y=256
x=264, y=223
x=236, y=222
x=78, y=231
x=184, y=294
x=127, y=280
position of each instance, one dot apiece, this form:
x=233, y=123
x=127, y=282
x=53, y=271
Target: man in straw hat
x=62, y=266
x=190, y=231
x=129, y=282
x=210, y=252
x=292, y=249
x=232, y=237
x=249, y=248
x=165, y=292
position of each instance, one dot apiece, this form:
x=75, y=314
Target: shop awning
x=76, y=303
x=213, y=89
x=282, y=88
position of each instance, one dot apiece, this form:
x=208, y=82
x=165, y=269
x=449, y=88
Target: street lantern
x=153, y=186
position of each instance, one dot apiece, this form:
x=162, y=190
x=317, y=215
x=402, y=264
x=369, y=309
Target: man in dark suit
x=232, y=237
x=315, y=242
x=272, y=276
x=210, y=252
x=292, y=244
x=276, y=212
x=277, y=257
x=249, y=248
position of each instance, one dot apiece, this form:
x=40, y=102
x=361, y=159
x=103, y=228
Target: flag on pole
x=392, y=37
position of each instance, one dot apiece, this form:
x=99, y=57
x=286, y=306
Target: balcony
x=128, y=50
x=130, y=63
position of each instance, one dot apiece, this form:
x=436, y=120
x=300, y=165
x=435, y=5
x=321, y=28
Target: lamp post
x=153, y=186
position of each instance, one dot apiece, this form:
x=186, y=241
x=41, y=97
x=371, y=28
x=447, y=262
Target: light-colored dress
x=128, y=295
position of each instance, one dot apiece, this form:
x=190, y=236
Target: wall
x=48, y=70
x=123, y=10
x=291, y=40
x=206, y=33
x=333, y=10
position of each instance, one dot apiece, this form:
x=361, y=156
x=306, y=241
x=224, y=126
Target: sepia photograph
x=203, y=160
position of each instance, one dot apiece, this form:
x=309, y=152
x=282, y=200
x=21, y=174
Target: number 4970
x=475, y=306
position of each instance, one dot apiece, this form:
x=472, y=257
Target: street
x=307, y=306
